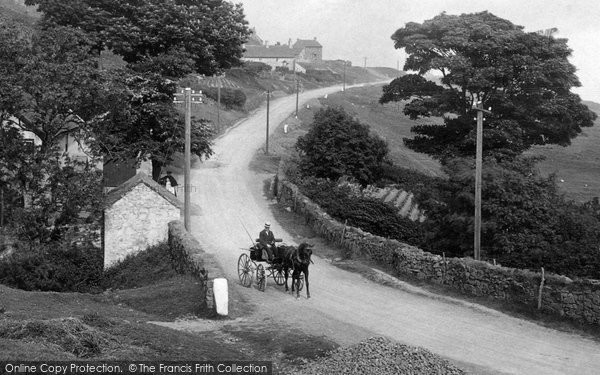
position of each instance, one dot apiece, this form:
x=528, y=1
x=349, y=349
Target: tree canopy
x=160, y=41
x=173, y=38
x=525, y=78
x=50, y=83
x=338, y=145
x=143, y=123
x=526, y=222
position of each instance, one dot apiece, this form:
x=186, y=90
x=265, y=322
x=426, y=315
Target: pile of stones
x=378, y=355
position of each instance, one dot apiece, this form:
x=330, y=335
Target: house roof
x=302, y=43
x=254, y=39
x=270, y=52
x=141, y=178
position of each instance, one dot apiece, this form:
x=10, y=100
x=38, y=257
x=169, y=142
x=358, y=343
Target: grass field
x=577, y=167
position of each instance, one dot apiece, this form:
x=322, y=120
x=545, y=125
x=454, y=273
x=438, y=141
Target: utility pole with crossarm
x=478, y=168
x=187, y=96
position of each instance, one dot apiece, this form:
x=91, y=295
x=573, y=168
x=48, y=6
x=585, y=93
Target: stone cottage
x=136, y=216
x=309, y=50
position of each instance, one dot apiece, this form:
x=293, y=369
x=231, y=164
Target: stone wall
x=576, y=299
x=136, y=221
x=189, y=257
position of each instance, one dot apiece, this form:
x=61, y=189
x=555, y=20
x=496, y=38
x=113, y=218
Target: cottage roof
x=141, y=178
x=302, y=43
x=270, y=52
x=254, y=39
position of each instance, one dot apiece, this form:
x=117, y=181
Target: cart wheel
x=279, y=276
x=245, y=270
x=261, y=278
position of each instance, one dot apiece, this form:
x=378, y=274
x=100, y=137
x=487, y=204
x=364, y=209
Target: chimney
x=290, y=42
x=315, y=38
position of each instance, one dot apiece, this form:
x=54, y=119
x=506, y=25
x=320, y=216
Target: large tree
x=169, y=37
x=143, y=123
x=160, y=41
x=525, y=78
x=50, y=84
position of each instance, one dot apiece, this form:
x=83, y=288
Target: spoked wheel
x=245, y=270
x=279, y=276
x=261, y=278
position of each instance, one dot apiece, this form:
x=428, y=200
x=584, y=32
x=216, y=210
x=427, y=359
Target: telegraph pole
x=187, y=157
x=344, y=86
x=267, y=144
x=2, y=207
x=478, y=168
x=188, y=97
x=297, y=95
x=219, y=104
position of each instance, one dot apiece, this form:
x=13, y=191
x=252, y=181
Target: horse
x=298, y=259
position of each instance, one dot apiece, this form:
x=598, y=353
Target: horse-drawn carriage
x=256, y=267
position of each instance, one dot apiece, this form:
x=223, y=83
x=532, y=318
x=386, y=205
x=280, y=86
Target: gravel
x=378, y=355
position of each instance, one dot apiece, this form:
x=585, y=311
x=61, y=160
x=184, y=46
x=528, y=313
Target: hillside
x=17, y=11
x=575, y=166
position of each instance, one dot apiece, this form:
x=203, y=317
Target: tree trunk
x=156, y=169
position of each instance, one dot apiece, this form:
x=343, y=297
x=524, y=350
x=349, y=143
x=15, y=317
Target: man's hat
x=267, y=224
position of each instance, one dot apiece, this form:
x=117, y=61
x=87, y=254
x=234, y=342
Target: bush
x=368, y=214
x=230, y=98
x=140, y=269
x=54, y=267
x=255, y=68
x=338, y=145
x=319, y=75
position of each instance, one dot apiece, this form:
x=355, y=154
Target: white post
x=221, y=293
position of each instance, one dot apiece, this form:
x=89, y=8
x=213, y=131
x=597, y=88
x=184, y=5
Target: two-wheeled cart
x=254, y=267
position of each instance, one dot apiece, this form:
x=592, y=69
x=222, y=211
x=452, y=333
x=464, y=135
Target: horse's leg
x=298, y=276
x=306, y=281
x=286, y=272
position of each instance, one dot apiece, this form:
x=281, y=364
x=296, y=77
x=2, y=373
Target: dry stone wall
x=576, y=299
x=188, y=256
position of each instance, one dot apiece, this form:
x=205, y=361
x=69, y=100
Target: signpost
x=188, y=97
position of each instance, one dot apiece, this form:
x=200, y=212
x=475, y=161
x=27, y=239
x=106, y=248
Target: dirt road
x=345, y=306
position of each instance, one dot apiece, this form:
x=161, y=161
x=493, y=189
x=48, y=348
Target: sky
x=357, y=29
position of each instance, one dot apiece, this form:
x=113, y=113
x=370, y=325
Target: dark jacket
x=266, y=238
x=163, y=180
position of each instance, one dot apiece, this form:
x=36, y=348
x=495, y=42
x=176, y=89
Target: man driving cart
x=266, y=239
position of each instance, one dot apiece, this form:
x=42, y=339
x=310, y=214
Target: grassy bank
x=133, y=320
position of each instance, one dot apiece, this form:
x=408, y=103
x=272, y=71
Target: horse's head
x=305, y=252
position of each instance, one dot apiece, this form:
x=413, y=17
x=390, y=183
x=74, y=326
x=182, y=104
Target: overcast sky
x=355, y=29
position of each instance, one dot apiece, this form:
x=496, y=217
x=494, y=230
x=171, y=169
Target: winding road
x=348, y=308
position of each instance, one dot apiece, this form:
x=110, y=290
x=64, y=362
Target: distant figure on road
x=169, y=182
x=266, y=239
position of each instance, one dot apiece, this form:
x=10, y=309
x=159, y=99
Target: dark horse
x=298, y=259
